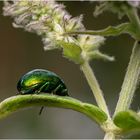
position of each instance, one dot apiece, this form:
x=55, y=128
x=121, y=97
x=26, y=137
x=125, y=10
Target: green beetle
x=40, y=80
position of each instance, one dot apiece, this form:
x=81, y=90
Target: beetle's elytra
x=39, y=80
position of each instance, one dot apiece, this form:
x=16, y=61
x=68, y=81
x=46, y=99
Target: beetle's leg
x=39, y=90
x=55, y=90
x=64, y=91
x=41, y=109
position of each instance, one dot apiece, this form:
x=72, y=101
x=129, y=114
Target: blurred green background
x=23, y=51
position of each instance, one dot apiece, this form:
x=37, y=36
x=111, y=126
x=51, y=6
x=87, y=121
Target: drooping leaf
x=15, y=103
x=109, y=31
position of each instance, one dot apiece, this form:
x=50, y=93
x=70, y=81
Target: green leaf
x=124, y=28
x=127, y=120
x=109, y=31
x=112, y=6
x=72, y=51
x=15, y=103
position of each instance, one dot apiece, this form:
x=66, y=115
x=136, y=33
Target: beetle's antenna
x=41, y=110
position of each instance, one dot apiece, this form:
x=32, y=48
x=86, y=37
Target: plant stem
x=109, y=136
x=93, y=83
x=135, y=21
x=133, y=16
x=111, y=130
x=130, y=81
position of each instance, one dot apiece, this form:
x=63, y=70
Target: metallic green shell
x=40, y=80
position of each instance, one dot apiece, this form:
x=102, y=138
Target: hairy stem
x=130, y=81
x=93, y=83
x=133, y=71
x=133, y=16
x=135, y=21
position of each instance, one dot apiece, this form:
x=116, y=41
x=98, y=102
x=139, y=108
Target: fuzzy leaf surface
x=12, y=104
x=127, y=120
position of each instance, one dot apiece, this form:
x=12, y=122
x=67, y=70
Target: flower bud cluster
x=50, y=20
x=45, y=17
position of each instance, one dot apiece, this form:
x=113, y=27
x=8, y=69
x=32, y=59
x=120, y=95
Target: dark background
x=22, y=51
